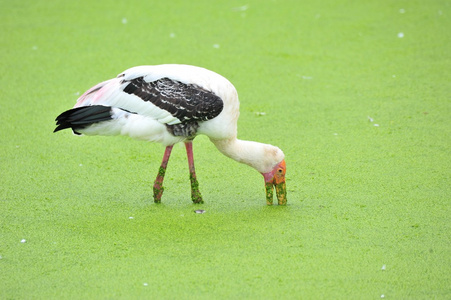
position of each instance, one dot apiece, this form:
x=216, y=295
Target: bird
x=170, y=104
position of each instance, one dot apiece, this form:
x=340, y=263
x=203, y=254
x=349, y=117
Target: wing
x=167, y=100
x=185, y=102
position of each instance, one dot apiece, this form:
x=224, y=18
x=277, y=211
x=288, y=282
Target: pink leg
x=158, y=184
x=195, y=193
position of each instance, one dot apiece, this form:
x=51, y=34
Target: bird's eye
x=280, y=171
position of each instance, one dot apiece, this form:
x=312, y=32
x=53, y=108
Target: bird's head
x=276, y=178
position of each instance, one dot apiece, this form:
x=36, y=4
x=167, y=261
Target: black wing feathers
x=186, y=102
x=81, y=117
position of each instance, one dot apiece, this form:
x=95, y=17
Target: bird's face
x=276, y=179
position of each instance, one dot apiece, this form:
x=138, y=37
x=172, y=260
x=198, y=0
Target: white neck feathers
x=262, y=157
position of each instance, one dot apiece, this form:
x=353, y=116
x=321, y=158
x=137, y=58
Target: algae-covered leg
x=195, y=193
x=158, y=184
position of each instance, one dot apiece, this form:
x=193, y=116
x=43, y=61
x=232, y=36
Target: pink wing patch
x=98, y=93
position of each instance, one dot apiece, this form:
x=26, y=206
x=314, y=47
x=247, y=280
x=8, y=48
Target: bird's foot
x=157, y=193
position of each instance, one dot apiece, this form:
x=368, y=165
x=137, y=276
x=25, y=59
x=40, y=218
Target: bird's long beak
x=276, y=179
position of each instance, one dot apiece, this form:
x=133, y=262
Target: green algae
x=369, y=206
x=195, y=193
x=161, y=171
x=157, y=193
x=158, y=188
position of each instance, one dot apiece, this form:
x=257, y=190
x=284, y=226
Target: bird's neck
x=262, y=157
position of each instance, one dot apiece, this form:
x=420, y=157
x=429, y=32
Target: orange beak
x=276, y=179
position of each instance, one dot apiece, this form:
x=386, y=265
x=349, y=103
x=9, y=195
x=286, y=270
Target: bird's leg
x=158, y=184
x=195, y=193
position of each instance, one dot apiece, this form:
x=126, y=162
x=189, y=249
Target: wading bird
x=173, y=103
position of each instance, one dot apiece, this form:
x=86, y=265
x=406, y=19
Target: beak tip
x=281, y=193
x=283, y=201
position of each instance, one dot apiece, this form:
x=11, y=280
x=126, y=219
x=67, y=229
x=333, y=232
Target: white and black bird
x=173, y=103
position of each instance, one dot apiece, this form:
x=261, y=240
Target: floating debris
x=382, y=296
x=401, y=35
x=372, y=120
x=216, y=46
x=199, y=211
x=34, y=48
x=260, y=113
x=402, y=10
x=124, y=21
x=383, y=267
x=241, y=8
x=23, y=241
x=145, y=284
x=172, y=35
x=131, y=218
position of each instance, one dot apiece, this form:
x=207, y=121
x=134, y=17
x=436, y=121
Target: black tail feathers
x=81, y=117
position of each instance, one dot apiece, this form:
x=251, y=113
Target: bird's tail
x=81, y=117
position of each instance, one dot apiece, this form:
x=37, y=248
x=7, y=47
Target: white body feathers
x=143, y=120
